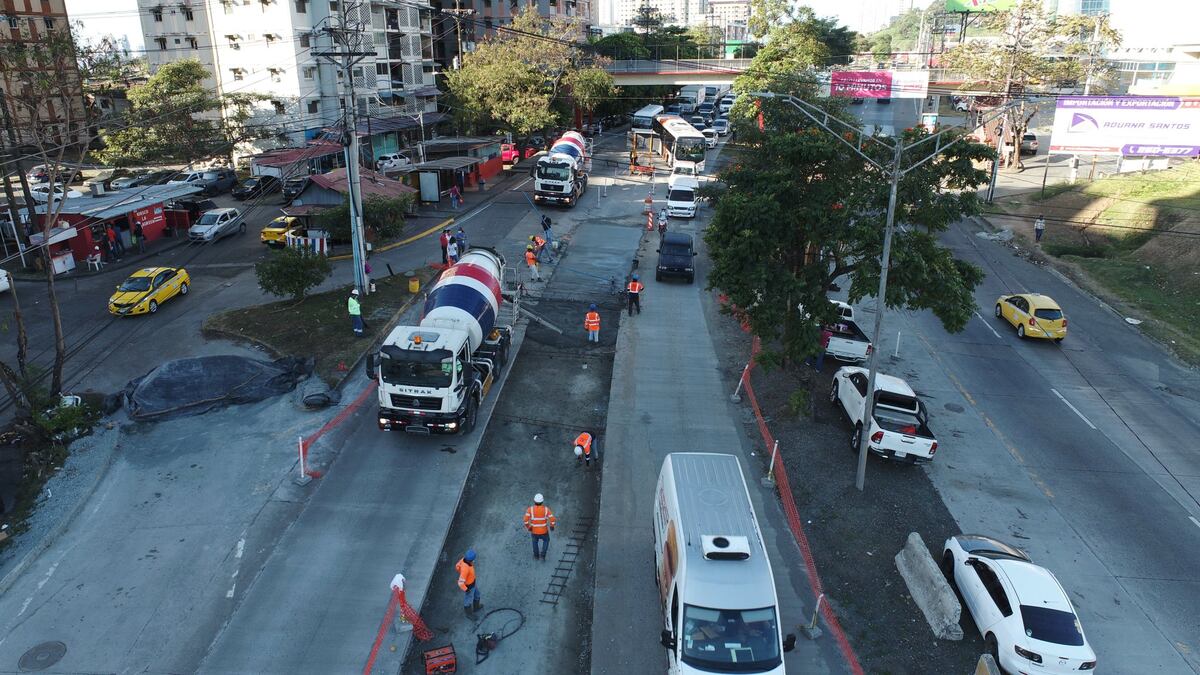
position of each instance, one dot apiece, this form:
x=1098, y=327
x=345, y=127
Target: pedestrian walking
x=591, y=322
x=455, y=196
x=461, y=235
x=114, y=242
x=482, y=182
x=139, y=237
x=466, y=583
x=548, y=231
x=1039, y=228
x=532, y=261
x=355, y=310
x=583, y=448
x=635, y=289
x=452, y=250
x=540, y=522
x=445, y=241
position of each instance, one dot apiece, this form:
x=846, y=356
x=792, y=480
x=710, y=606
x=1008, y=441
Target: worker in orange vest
x=583, y=448
x=540, y=520
x=466, y=583
x=540, y=249
x=635, y=289
x=591, y=321
x=532, y=261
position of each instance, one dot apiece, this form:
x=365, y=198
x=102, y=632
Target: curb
x=59, y=528
x=387, y=328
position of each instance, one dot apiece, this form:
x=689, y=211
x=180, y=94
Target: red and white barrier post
x=304, y=478
x=736, y=397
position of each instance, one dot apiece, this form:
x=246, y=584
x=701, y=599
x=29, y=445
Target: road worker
x=540, y=521
x=540, y=249
x=355, y=310
x=466, y=583
x=583, y=448
x=591, y=322
x=532, y=261
x=635, y=289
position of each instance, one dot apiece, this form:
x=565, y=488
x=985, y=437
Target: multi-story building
x=275, y=48
x=462, y=23
x=731, y=17
x=45, y=116
x=673, y=12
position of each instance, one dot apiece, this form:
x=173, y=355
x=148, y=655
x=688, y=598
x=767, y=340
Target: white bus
x=642, y=121
x=681, y=143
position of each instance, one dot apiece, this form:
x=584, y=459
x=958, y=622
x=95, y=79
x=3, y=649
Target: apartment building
x=674, y=12
x=42, y=117
x=274, y=47
x=731, y=17
x=466, y=22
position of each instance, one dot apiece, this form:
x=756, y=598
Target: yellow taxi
x=1034, y=315
x=148, y=288
x=276, y=230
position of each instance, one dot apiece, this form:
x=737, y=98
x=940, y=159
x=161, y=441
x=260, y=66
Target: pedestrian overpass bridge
x=632, y=72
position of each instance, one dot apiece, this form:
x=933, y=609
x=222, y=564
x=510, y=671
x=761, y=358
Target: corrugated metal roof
x=123, y=202
x=286, y=156
x=373, y=184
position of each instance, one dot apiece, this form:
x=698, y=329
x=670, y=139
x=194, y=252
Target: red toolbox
x=441, y=660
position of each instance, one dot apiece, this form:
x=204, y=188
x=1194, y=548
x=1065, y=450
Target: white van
x=720, y=612
x=681, y=201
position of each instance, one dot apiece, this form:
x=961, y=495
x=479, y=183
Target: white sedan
x=1026, y=620
x=41, y=193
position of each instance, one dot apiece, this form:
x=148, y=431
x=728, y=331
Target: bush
x=292, y=272
x=384, y=217
x=1079, y=250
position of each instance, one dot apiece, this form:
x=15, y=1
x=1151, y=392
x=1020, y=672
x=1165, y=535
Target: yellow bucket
x=414, y=285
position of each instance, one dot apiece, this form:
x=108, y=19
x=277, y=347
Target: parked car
x=856, y=100
x=148, y=288
x=1022, y=612
x=42, y=193
x=127, y=181
x=193, y=178
x=109, y=177
x=216, y=181
x=275, y=232
x=899, y=426
x=962, y=104
x=883, y=101
x=160, y=177
x=1034, y=315
x=710, y=138
x=193, y=205
x=1029, y=144
x=63, y=174
x=215, y=224
x=292, y=187
x=721, y=126
x=392, y=161
x=255, y=186
x=5, y=280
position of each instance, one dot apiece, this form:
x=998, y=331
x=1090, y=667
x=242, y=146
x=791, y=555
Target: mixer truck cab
x=561, y=175
x=434, y=376
x=719, y=608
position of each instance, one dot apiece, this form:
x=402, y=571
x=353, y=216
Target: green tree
x=902, y=31
x=590, y=87
x=383, y=218
x=801, y=211
x=766, y=15
x=621, y=46
x=881, y=48
x=786, y=63
x=292, y=272
x=648, y=18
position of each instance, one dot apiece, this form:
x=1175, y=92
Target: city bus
x=681, y=142
x=642, y=121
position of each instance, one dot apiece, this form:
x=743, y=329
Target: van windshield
x=730, y=640
x=681, y=196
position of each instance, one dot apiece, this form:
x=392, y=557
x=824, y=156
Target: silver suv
x=216, y=224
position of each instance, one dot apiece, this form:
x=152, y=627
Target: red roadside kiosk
x=80, y=223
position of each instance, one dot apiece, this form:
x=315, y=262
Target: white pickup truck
x=899, y=429
x=847, y=342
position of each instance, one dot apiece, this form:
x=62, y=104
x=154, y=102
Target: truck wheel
x=472, y=414
x=856, y=438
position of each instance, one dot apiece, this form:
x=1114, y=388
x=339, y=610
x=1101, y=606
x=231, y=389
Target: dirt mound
x=1177, y=255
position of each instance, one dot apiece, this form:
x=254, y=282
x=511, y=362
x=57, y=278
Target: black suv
x=675, y=257
x=255, y=186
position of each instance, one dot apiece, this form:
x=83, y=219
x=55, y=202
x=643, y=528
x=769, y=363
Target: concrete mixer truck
x=561, y=175
x=434, y=376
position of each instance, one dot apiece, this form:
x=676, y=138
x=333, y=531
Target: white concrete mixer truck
x=561, y=175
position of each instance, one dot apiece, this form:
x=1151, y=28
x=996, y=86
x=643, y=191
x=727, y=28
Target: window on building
x=1093, y=7
x=305, y=40
x=270, y=38
x=13, y=23
x=188, y=14
x=49, y=22
x=310, y=72
x=333, y=5
x=487, y=22
x=279, y=107
x=276, y=74
x=228, y=6
x=302, y=6
x=162, y=43
x=234, y=42
x=193, y=43
x=238, y=73
x=358, y=73
x=176, y=40
x=314, y=106
x=381, y=68
x=157, y=14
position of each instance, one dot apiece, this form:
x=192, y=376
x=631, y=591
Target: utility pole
x=894, y=170
x=459, y=13
x=349, y=40
x=30, y=204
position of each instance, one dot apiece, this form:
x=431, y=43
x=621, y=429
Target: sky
x=103, y=17
x=864, y=16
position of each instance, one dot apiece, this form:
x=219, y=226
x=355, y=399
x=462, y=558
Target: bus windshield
x=690, y=149
x=730, y=640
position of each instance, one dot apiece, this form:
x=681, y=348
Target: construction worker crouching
x=635, y=289
x=466, y=583
x=591, y=322
x=540, y=521
x=583, y=448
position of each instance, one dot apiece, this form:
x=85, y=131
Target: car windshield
x=419, y=373
x=208, y=219
x=685, y=171
x=1048, y=314
x=136, y=284
x=554, y=172
x=730, y=640
x=250, y=182
x=1051, y=625
x=681, y=196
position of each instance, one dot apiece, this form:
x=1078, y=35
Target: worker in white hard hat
x=539, y=521
x=355, y=310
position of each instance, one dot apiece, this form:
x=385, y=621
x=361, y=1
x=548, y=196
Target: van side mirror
x=666, y=640
x=789, y=642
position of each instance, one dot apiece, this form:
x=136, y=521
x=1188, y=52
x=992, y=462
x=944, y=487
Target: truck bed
x=848, y=342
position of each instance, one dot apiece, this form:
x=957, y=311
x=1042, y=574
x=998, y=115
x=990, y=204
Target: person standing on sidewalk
x=1039, y=228
x=532, y=261
x=139, y=237
x=445, y=240
x=539, y=522
x=635, y=289
x=466, y=583
x=455, y=197
x=591, y=322
x=452, y=250
x=583, y=448
x=114, y=242
x=461, y=235
x=355, y=310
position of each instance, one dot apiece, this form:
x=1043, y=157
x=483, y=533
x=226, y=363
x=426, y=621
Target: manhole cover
x=42, y=656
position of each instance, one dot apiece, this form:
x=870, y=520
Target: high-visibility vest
x=539, y=518
x=584, y=441
x=635, y=287
x=530, y=258
x=466, y=574
x=538, y=242
x=353, y=307
x=592, y=321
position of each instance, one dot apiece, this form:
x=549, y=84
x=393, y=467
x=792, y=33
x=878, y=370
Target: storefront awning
x=120, y=203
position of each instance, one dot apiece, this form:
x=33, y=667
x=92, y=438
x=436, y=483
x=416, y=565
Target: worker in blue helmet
x=466, y=583
x=635, y=289
x=591, y=323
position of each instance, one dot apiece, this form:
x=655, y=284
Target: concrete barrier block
x=929, y=589
x=987, y=666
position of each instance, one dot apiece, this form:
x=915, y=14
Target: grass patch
x=319, y=326
x=1078, y=250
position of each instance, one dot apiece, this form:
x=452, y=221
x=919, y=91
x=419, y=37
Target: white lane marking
x=1194, y=521
x=1074, y=409
x=41, y=584
x=898, y=333
x=229, y=593
x=472, y=215
x=989, y=326
x=241, y=546
x=520, y=185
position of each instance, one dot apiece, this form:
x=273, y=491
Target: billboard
x=980, y=5
x=879, y=83
x=1148, y=126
